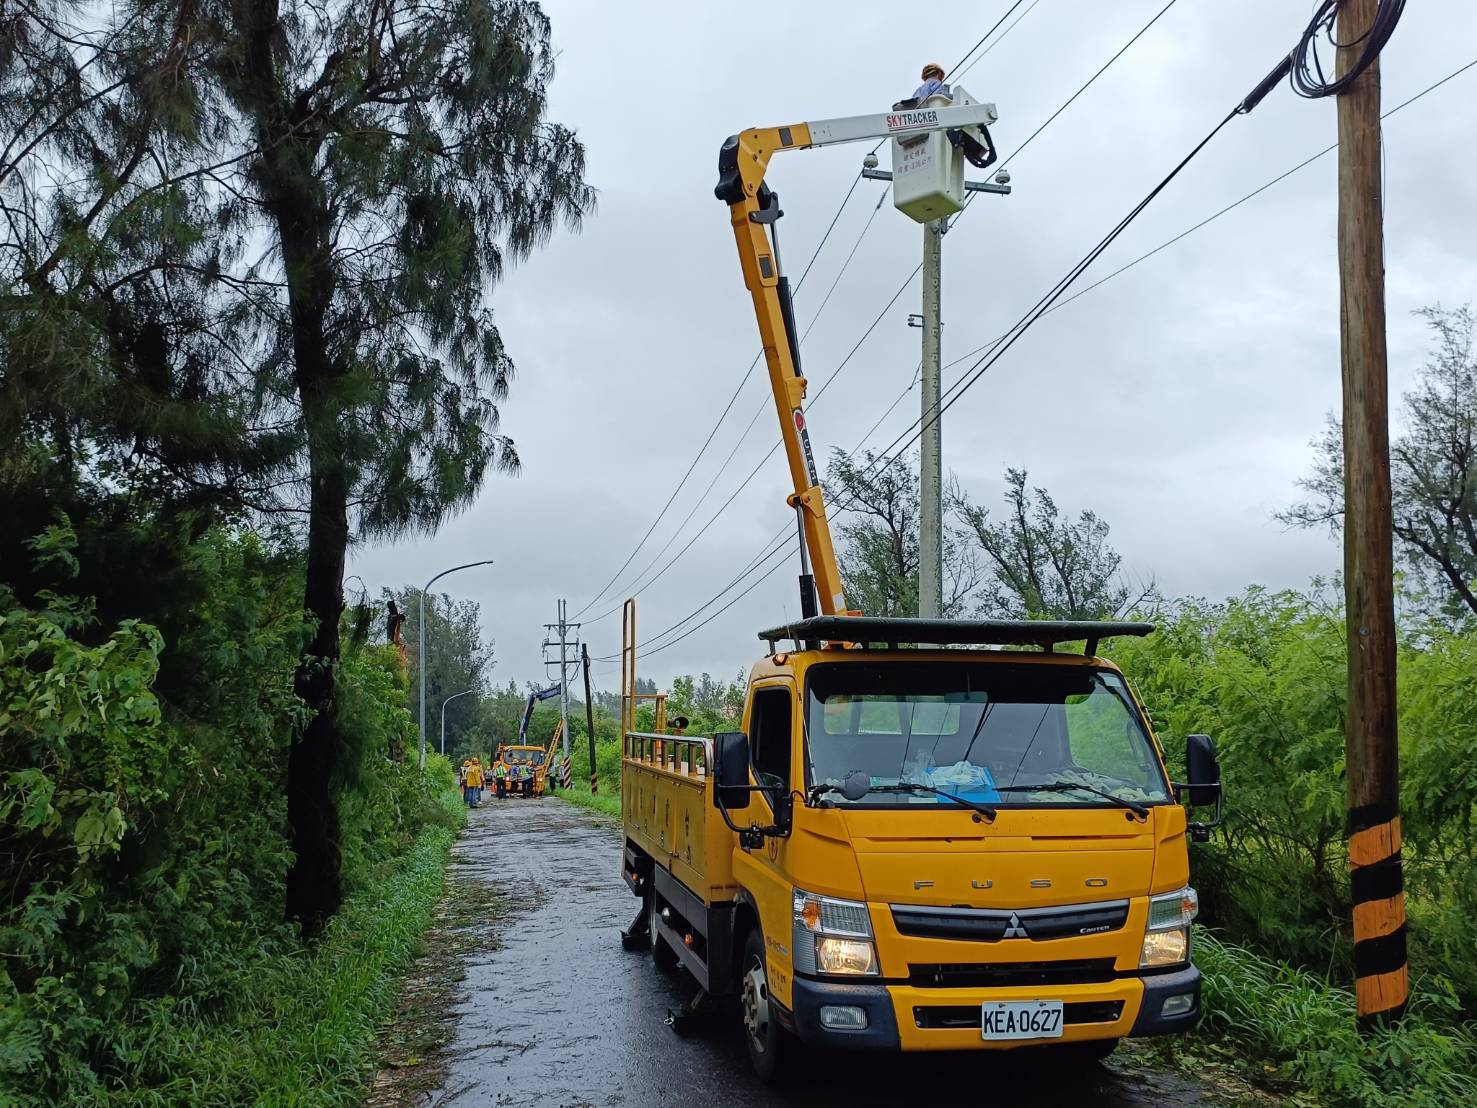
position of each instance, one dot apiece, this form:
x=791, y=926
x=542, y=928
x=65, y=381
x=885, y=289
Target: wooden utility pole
x=590, y=719
x=1380, y=970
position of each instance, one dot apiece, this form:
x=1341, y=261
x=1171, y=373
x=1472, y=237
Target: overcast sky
x=1177, y=401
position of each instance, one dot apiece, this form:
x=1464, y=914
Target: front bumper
x=905, y=1017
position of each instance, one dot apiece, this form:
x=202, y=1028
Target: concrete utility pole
x=420, y=658
x=931, y=446
x=1380, y=969
x=564, y=627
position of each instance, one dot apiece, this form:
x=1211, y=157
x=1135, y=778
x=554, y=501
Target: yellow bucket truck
x=929, y=834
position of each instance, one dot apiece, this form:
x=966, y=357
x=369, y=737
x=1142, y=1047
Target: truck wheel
x=661, y=954
x=763, y=1035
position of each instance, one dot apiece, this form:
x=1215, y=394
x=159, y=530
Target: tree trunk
x=314, y=882
x=295, y=198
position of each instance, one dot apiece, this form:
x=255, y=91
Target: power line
x=995, y=26
x=744, y=380
x=1121, y=51
x=903, y=287
x=997, y=42
x=1049, y=302
x=784, y=536
x=984, y=36
x=637, y=585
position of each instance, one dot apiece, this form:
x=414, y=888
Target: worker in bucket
x=933, y=82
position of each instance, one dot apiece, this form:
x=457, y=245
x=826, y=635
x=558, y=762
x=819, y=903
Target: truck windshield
x=985, y=731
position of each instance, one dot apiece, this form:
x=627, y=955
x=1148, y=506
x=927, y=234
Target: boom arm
x=742, y=162
x=533, y=698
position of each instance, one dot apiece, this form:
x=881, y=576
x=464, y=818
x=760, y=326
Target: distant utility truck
x=914, y=843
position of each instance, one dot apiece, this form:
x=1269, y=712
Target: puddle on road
x=555, y=1013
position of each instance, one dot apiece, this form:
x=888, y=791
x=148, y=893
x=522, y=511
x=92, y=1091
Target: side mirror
x=1204, y=770
x=731, y=770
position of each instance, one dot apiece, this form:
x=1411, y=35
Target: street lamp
x=422, y=655
x=444, y=703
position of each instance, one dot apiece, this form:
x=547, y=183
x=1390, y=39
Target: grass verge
x=302, y=1031
x=606, y=803
x=1302, y=1028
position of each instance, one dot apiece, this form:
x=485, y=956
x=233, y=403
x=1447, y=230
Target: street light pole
x=421, y=657
x=444, y=703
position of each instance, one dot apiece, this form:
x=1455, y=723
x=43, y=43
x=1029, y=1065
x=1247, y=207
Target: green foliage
x=142, y=819
x=300, y=1027
x=1301, y=1020
x=1264, y=673
x=607, y=801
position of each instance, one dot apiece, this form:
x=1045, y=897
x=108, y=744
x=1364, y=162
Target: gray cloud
x=1177, y=400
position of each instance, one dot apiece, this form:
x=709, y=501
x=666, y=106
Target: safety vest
x=500, y=770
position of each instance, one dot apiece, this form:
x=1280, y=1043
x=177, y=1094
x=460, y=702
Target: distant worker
x=473, y=792
x=933, y=83
x=500, y=778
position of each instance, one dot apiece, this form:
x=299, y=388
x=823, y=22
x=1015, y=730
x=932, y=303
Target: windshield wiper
x=1073, y=786
x=906, y=787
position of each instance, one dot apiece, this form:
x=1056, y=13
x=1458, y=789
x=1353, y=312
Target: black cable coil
x=1308, y=78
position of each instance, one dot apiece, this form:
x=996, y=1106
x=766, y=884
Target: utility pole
x=931, y=189
x=931, y=447
x=564, y=627
x=590, y=719
x=1372, y=756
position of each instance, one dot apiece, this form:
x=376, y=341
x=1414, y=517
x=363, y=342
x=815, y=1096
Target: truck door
x=772, y=744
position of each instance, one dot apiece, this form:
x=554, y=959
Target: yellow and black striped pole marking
x=1381, y=974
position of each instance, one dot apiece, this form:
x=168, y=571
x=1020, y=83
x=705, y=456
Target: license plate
x=1027, y=1019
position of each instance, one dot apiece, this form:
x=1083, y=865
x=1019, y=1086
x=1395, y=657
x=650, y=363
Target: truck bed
x=667, y=809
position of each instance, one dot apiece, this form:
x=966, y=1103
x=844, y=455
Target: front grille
x=954, y=1016
x=1001, y=975
x=994, y=924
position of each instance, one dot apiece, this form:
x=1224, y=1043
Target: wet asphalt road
x=559, y=1015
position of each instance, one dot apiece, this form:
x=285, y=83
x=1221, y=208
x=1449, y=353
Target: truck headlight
x=1165, y=948
x=845, y=956
x=1167, y=935
x=832, y=936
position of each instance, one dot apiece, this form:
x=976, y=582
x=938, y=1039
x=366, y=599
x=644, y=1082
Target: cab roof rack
x=906, y=631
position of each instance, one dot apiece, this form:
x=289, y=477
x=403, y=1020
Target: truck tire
x=662, y=955
x=763, y=1035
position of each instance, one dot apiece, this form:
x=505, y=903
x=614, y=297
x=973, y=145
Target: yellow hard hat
x=932, y=68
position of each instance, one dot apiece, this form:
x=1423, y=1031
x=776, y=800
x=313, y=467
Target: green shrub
x=1264, y=673
x=301, y=1028
x=1307, y=1024
x=142, y=810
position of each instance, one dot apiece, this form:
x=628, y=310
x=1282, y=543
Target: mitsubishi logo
x=1014, y=929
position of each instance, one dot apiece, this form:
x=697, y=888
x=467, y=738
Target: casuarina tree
x=395, y=157
x=1433, y=468
x=249, y=251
